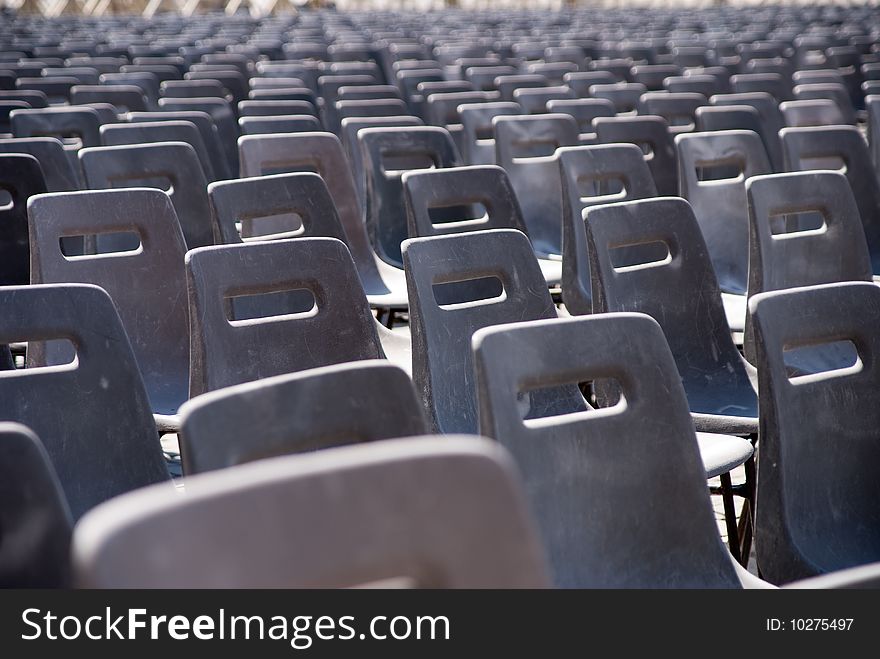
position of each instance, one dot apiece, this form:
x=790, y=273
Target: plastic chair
x=478, y=136
x=584, y=110
x=160, y=131
x=771, y=121
x=525, y=147
x=815, y=112
x=386, y=212
x=35, y=546
x=96, y=423
x=720, y=203
x=817, y=492
x=297, y=413
x=136, y=255
x=652, y=135
x=228, y=349
x=679, y=109
x=174, y=164
x=224, y=119
x=595, y=523
x=207, y=129
x=295, y=123
x=60, y=176
x=126, y=98
x=587, y=176
x=441, y=333
x=474, y=531
x=322, y=152
x=832, y=148
x=348, y=134
x=20, y=178
x=681, y=292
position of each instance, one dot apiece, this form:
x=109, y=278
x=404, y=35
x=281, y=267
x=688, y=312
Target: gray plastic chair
x=594, y=477
x=207, y=129
x=126, y=98
x=507, y=85
x=224, y=119
x=160, y=131
x=386, y=212
x=174, y=164
x=441, y=333
x=348, y=133
x=58, y=172
x=525, y=147
x=274, y=108
x=295, y=123
x=322, y=152
x=771, y=121
x=478, y=133
x=533, y=100
x=301, y=412
x=799, y=253
x=36, y=523
x=681, y=292
x=624, y=95
x=817, y=487
x=720, y=204
x=836, y=93
x=833, y=147
x=652, y=135
x=95, y=419
x=584, y=110
x=80, y=122
x=143, y=275
x=587, y=172
x=474, y=531
x=274, y=339
x=20, y=178
x=678, y=108
x=814, y=112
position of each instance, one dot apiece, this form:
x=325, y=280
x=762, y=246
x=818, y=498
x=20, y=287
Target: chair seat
x=397, y=345
x=722, y=453
x=552, y=270
x=735, y=310
x=395, y=281
x=725, y=424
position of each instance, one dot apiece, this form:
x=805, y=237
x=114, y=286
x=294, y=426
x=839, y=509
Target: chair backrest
x=321, y=153
x=274, y=108
x=771, y=120
x=34, y=516
x=525, y=146
x=386, y=209
x=834, y=92
x=652, y=135
x=769, y=83
x=733, y=117
x=274, y=339
x=170, y=166
x=126, y=98
x=295, y=123
x=653, y=75
x=207, y=129
x=679, y=290
x=193, y=89
x=624, y=95
x=92, y=414
x=817, y=490
x=21, y=178
x=584, y=110
x=224, y=119
x=593, y=175
x=832, y=148
x=81, y=122
x=507, y=85
x=593, y=477
x=533, y=100
x=478, y=134
x=316, y=409
x=160, y=131
x=58, y=170
x=348, y=134
x=473, y=531
x=814, y=112
x=285, y=205
x=720, y=203
x=145, y=278
x=460, y=187
x=787, y=250
x=581, y=81
x=441, y=333
x=679, y=108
